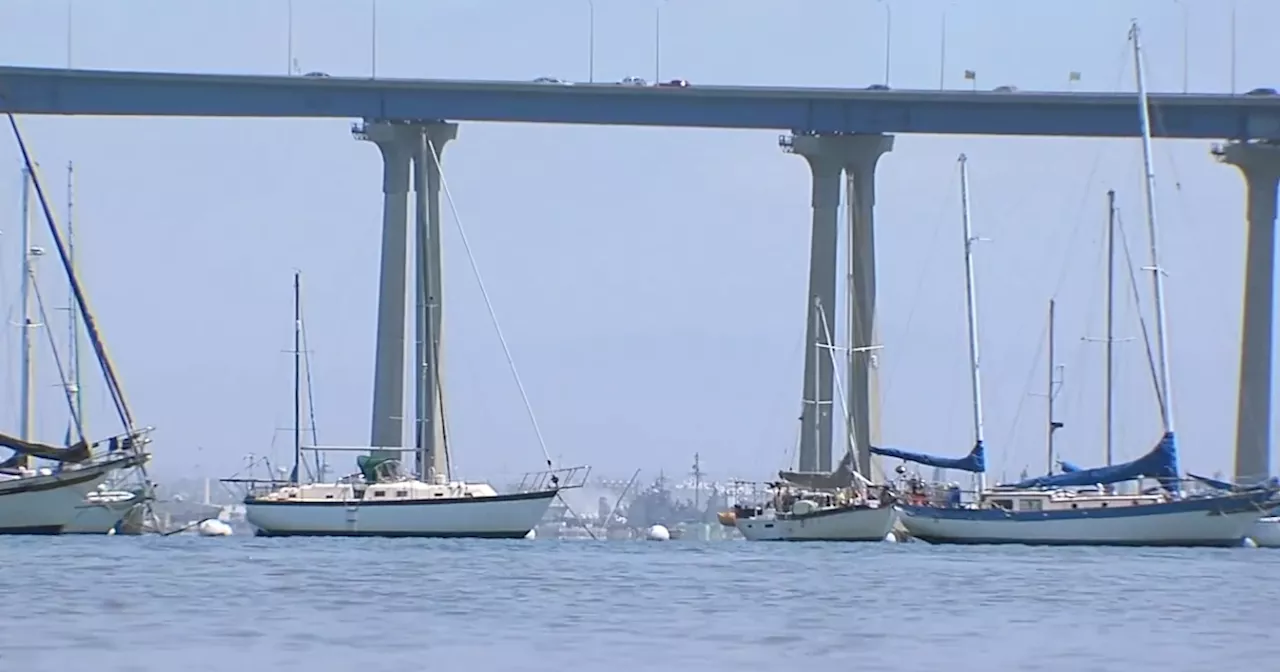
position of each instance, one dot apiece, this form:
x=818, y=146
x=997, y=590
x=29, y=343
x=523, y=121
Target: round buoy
x=658, y=533
x=212, y=527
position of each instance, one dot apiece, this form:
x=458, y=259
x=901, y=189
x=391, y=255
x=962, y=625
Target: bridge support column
x=428, y=290
x=396, y=141
x=862, y=155
x=1259, y=163
x=828, y=156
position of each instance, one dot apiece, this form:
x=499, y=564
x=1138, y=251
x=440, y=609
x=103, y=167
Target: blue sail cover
x=1068, y=467
x=975, y=461
x=1161, y=464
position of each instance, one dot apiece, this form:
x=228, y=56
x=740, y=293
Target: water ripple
x=241, y=604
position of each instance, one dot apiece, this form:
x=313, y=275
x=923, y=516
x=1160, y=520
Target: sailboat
x=917, y=493
x=1046, y=511
x=46, y=499
x=841, y=506
x=382, y=501
x=119, y=505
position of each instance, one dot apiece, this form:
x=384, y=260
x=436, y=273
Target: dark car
x=878, y=87
x=317, y=73
x=1264, y=91
x=675, y=83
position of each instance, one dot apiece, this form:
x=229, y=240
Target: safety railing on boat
x=557, y=479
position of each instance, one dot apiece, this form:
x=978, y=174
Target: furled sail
x=75, y=453
x=975, y=461
x=1161, y=464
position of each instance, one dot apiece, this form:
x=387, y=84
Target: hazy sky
x=651, y=282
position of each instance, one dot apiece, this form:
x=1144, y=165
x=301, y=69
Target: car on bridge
x=878, y=87
x=674, y=84
x=1005, y=89
x=1262, y=91
x=633, y=81
x=551, y=80
x=316, y=73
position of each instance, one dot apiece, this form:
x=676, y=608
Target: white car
x=633, y=81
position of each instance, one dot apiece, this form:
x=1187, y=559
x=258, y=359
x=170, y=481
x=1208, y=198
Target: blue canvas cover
x=975, y=461
x=1161, y=464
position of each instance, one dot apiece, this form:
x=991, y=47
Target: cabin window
x=379, y=493
x=328, y=496
x=1104, y=505
x=1074, y=505
x=439, y=494
x=1029, y=505
x=402, y=493
x=1006, y=504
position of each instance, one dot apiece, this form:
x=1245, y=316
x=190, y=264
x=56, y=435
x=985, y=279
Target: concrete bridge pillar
x=396, y=142
x=1259, y=163
x=828, y=156
x=428, y=290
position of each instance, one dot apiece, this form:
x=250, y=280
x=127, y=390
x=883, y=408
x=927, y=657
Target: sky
x=650, y=282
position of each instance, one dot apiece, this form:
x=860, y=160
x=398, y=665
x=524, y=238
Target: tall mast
x=1051, y=390
x=975, y=376
x=1157, y=274
x=27, y=421
x=817, y=352
x=73, y=315
x=1111, y=336
x=297, y=378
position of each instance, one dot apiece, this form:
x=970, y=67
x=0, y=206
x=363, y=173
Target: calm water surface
x=245, y=604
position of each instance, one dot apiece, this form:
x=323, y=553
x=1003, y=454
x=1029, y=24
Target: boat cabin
x=1061, y=500
x=382, y=491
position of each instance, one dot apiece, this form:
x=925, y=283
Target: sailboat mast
x=27, y=421
x=297, y=378
x=73, y=315
x=1157, y=274
x=975, y=377
x=1049, y=391
x=1111, y=336
x=817, y=352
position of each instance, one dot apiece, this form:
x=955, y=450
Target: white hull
x=1266, y=532
x=101, y=512
x=47, y=504
x=1172, y=525
x=850, y=524
x=497, y=517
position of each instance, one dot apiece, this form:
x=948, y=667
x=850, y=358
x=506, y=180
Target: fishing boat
x=840, y=506
x=1076, y=507
x=382, y=500
x=37, y=499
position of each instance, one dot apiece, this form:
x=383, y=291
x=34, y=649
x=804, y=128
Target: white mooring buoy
x=212, y=527
x=658, y=533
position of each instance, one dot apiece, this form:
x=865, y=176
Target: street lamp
x=373, y=41
x=657, y=42
x=942, y=49
x=888, y=37
x=1185, y=41
x=591, y=41
x=1233, y=46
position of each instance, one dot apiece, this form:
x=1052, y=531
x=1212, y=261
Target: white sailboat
x=104, y=509
x=47, y=499
x=382, y=501
x=841, y=506
x=1046, y=511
